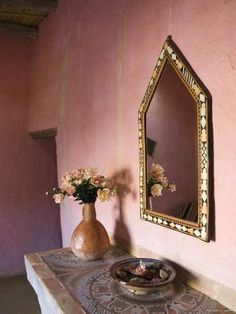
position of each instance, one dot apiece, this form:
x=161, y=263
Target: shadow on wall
x=123, y=180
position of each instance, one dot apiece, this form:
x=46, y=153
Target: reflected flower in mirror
x=157, y=181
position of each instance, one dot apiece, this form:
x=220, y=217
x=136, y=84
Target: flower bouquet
x=84, y=185
x=157, y=181
x=90, y=240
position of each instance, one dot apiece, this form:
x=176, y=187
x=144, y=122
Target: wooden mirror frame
x=171, y=53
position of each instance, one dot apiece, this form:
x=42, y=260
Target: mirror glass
x=172, y=142
x=174, y=147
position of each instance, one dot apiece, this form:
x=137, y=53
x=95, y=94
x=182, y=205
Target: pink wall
x=92, y=63
x=29, y=221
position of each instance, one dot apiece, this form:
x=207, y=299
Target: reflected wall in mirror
x=171, y=123
x=173, y=138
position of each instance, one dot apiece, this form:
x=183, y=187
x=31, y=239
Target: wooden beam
x=18, y=29
x=48, y=133
x=48, y=5
x=17, y=15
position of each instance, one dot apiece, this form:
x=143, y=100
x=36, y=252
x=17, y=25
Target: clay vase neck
x=89, y=211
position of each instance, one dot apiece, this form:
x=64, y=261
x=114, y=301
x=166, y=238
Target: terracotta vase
x=90, y=240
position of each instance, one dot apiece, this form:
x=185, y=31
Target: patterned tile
x=95, y=290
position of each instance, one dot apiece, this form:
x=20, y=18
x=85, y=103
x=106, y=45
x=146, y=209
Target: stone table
x=65, y=284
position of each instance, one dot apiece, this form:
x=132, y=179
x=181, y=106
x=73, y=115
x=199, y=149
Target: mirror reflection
x=172, y=148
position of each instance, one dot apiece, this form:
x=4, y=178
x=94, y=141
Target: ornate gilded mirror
x=173, y=142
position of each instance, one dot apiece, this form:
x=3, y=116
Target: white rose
x=156, y=190
x=90, y=172
x=58, y=198
x=104, y=194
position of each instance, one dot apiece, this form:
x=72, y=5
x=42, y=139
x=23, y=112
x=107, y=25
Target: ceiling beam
x=18, y=29
x=48, y=5
x=15, y=15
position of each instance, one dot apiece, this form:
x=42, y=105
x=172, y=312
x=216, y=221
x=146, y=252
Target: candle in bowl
x=139, y=270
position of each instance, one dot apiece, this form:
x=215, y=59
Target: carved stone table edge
x=53, y=297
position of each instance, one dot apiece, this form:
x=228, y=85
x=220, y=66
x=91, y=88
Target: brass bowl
x=139, y=283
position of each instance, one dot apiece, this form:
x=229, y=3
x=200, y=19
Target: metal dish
x=142, y=275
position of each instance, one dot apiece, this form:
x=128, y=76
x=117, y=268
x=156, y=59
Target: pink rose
x=69, y=188
x=97, y=180
x=156, y=170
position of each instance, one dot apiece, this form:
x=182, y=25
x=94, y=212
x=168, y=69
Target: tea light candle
x=140, y=269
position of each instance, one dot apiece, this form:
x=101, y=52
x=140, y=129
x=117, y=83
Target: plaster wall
x=92, y=63
x=29, y=221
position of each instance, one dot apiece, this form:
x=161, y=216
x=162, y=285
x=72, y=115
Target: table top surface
x=87, y=287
